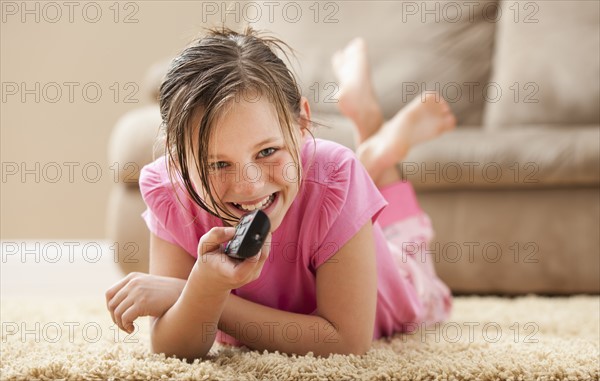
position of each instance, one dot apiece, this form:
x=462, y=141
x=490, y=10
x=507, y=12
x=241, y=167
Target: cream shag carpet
x=486, y=338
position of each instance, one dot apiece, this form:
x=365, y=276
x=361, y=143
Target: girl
x=337, y=269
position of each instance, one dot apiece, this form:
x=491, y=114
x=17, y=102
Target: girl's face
x=251, y=166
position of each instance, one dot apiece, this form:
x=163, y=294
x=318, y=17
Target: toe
x=336, y=60
x=450, y=122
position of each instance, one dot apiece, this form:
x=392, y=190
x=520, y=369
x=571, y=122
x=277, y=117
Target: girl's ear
x=304, y=116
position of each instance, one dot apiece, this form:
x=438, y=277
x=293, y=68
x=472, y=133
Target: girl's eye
x=217, y=165
x=267, y=152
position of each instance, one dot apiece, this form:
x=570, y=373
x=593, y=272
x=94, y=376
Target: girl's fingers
x=117, y=300
x=212, y=240
x=264, y=252
x=112, y=291
x=233, y=273
x=129, y=317
x=124, y=306
x=254, y=265
x=116, y=294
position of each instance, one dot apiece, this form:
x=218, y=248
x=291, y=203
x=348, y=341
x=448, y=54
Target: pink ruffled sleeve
x=165, y=216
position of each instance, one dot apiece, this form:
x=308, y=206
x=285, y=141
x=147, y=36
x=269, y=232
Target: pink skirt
x=408, y=232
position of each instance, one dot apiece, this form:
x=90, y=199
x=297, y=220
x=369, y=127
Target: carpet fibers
x=486, y=338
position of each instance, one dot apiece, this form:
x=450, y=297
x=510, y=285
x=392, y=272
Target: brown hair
x=209, y=74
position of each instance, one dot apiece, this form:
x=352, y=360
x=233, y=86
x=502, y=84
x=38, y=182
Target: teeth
x=259, y=205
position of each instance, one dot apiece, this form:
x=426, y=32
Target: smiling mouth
x=263, y=204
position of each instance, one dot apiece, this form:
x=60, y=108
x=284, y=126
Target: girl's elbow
x=179, y=354
x=360, y=349
x=156, y=347
x=357, y=346
x=156, y=350
x=170, y=349
x=350, y=350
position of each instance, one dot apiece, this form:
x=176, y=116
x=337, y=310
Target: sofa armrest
x=133, y=143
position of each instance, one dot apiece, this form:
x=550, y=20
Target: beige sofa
x=514, y=192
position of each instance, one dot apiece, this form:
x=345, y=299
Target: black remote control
x=250, y=234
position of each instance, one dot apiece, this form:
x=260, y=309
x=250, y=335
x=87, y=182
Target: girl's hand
x=140, y=294
x=219, y=272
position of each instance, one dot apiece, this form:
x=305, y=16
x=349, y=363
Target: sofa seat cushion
x=525, y=157
x=470, y=157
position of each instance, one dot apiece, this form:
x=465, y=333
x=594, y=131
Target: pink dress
x=336, y=199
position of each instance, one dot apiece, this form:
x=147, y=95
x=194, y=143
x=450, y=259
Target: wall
x=55, y=125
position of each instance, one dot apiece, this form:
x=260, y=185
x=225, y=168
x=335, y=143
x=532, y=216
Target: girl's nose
x=249, y=189
x=249, y=182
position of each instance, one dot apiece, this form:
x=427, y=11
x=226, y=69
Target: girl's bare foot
x=356, y=96
x=423, y=119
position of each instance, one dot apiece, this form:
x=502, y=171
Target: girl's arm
x=187, y=329
x=179, y=331
x=345, y=316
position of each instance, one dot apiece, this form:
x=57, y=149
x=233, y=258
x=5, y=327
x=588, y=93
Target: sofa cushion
x=524, y=157
x=546, y=65
x=471, y=158
x=413, y=46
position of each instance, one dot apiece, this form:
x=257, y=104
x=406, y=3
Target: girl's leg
x=381, y=145
x=356, y=97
